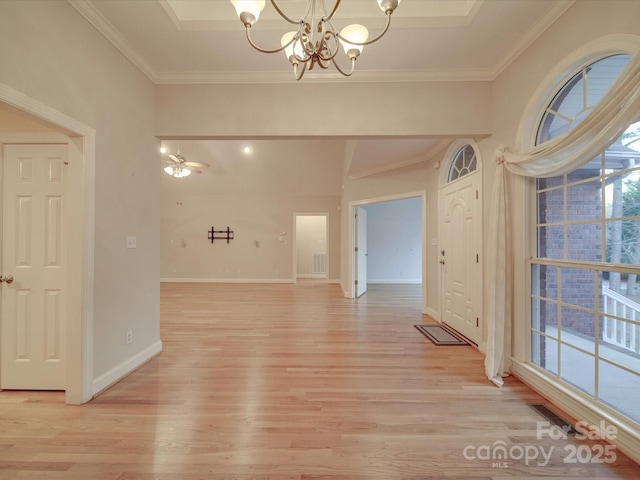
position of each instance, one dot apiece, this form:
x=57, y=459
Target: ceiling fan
x=178, y=166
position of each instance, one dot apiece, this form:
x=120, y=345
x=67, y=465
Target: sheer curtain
x=619, y=108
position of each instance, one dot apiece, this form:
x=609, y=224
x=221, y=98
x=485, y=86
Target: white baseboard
x=311, y=275
x=120, y=371
x=432, y=313
x=226, y=280
x=580, y=407
x=406, y=281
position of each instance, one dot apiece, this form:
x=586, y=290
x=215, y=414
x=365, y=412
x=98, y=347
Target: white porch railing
x=618, y=332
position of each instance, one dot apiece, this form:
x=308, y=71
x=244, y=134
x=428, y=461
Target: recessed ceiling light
x=247, y=150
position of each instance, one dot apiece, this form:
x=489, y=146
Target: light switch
x=131, y=242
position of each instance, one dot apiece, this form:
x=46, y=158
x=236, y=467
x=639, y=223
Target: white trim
x=226, y=280
x=563, y=71
x=579, y=406
x=33, y=138
x=318, y=276
x=554, y=13
x=433, y=314
x=95, y=18
x=405, y=281
x=123, y=369
x=81, y=247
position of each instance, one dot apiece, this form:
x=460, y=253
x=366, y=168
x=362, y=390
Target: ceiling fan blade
x=191, y=169
x=196, y=164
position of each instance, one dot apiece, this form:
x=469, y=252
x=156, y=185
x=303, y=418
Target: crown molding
x=95, y=18
x=554, y=13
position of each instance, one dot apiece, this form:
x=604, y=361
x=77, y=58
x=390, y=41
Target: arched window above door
x=463, y=163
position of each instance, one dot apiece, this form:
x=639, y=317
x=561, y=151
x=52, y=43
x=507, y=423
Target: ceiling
x=202, y=41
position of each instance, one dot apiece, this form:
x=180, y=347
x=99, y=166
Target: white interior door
x=34, y=305
x=360, y=222
x=460, y=257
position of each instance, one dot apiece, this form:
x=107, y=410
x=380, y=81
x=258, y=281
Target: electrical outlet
x=131, y=242
x=129, y=337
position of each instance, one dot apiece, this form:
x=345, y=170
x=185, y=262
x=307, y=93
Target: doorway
x=386, y=242
x=311, y=246
x=56, y=127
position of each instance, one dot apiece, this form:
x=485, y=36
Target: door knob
x=442, y=262
x=8, y=279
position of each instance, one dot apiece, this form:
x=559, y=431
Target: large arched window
x=585, y=320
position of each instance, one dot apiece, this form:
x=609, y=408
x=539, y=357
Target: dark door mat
x=440, y=335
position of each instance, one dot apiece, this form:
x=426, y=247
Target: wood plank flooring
x=292, y=382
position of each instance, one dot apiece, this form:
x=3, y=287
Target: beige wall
x=320, y=110
x=256, y=196
x=49, y=54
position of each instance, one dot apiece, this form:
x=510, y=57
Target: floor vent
x=553, y=418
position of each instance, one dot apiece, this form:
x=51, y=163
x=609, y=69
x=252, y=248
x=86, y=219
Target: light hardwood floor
x=291, y=382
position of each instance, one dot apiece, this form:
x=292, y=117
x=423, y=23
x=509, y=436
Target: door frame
x=81, y=141
x=422, y=194
x=295, y=241
x=443, y=181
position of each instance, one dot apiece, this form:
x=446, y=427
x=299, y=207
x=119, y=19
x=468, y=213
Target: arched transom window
x=463, y=163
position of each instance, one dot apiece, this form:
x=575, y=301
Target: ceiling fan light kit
x=306, y=46
x=179, y=167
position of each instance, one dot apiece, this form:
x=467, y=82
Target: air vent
x=553, y=418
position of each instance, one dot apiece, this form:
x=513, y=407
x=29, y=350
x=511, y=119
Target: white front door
x=360, y=222
x=460, y=256
x=33, y=253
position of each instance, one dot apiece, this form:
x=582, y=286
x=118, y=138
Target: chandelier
x=306, y=46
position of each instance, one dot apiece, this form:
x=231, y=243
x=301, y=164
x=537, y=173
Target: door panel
x=460, y=256
x=34, y=305
x=361, y=251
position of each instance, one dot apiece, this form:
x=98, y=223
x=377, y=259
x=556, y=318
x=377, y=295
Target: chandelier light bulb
x=353, y=33
x=388, y=5
x=248, y=10
x=293, y=49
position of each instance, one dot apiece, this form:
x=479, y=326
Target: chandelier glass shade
x=315, y=41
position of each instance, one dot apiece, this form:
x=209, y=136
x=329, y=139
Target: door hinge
x=356, y=282
x=356, y=249
x=477, y=322
x=476, y=194
x=477, y=258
